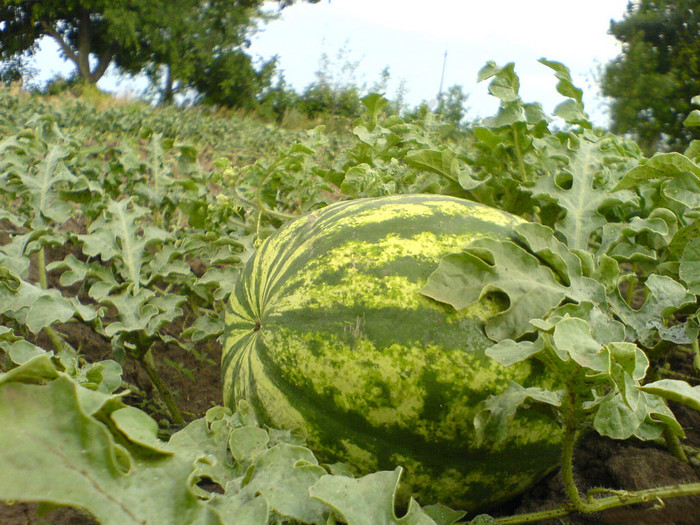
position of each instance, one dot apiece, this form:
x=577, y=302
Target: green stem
x=43, y=280
x=674, y=445
x=149, y=366
x=269, y=211
x=519, y=155
x=56, y=340
x=620, y=498
x=591, y=504
x=696, y=358
x=567, y=454
x=261, y=205
x=533, y=517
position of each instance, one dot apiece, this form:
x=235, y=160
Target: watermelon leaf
x=583, y=190
x=444, y=163
x=675, y=390
x=508, y=352
x=443, y=515
x=661, y=166
x=690, y=266
x=283, y=475
x=533, y=289
x=665, y=296
x=67, y=457
x=368, y=500
x=493, y=420
x=123, y=473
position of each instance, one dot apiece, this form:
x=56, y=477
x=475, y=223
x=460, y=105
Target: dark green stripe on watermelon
x=328, y=333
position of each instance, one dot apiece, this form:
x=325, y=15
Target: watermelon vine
x=578, y=278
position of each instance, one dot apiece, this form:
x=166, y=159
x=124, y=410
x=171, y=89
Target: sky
x=362, y=37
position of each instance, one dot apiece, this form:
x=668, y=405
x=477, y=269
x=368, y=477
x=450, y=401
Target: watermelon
x=328, y=335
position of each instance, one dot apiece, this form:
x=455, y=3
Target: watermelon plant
x=556, y=303
x=328, y=334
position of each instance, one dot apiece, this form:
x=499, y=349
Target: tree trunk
x=168, y=94
x=81, y=56
x=84, y=37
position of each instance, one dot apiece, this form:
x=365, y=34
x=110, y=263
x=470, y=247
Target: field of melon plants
x=211, y=320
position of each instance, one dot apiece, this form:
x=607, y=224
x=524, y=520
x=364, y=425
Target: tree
x=197, y=45
x=451, y=105
x=179, y=37
x=657, y=74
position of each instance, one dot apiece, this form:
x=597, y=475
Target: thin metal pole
x=442, y=77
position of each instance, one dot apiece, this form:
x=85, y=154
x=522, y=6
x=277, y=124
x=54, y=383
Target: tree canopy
x=653, y=80
x=173, y=41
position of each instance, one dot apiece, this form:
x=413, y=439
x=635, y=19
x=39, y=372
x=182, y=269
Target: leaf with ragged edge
x=587, y=195
x=533, y=289
x=638, y=238
x=55, y=448
x=444, y=163
x=168, y=309
x=463, y=278
x=505, y=85
x=207, y=326
x=166, y=263
x=572, y=337
x=615, y=418
x=565, y=86
x=139, y=427
x=373, y=103
x=682, y=237
x=661, y=166
x=102, y=376
x=134, y=311
x=18, y=349
x=21, y=351
x=37, y=307
x=689, y=269
x=74, y=270
x=284, y=475
x=119, y=233
x=567, y=264
x=368, y=500
x=658, y=419
x=603, y=327
x=570, y=110
x=492, y=422
x=684, y=189
x=665, y=297
x=681, y=334
x=204, y=441
x=53, y=451
x=41, y=186
x=508, y=352
x=443, y=515
x=675, y=390
x=247, y=443
x=13, y=259
x=607, y=273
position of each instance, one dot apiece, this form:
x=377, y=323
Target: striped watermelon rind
x=328, y=334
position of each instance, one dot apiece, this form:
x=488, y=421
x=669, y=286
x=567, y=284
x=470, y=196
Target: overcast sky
x=411, y=37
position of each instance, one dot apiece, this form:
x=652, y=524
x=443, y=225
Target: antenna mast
x=442, y=77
